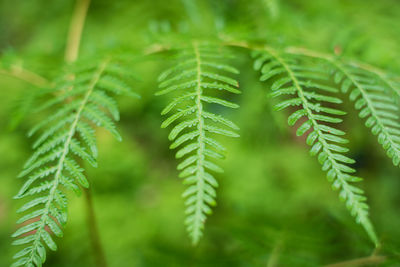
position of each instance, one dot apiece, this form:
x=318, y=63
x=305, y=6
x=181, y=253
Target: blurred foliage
x=275, y=208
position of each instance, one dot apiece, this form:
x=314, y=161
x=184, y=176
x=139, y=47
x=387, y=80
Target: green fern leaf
x=53, y=168
x=375, y=105
x=194, y=82
x=308, y=95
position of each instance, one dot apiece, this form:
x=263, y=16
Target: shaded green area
x=273, y=199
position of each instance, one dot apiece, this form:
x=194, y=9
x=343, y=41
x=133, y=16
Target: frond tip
x=67, y=135
x=194, y=79
x=306, y=92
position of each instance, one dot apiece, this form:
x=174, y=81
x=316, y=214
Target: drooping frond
x=194, y=81
x=81, y=100
x=305, y=91
x=376, y=98
x=376, y=95
x=390, y=81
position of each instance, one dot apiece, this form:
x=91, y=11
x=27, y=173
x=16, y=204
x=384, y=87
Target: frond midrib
x=200, y=151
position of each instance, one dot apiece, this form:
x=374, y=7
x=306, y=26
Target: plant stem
x=71, y=55
x=75, y=30
x=366, y=261
x=100, y=259
x=26, y=75
x=273, y=260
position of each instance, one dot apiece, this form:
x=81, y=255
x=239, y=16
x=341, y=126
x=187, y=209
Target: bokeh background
x=275, y=206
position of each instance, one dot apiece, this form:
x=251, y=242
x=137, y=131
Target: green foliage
x=81, y=101
x=306, y=86
x=375, y=104
x=272, y=211
x=197, y=72
x=376, y=96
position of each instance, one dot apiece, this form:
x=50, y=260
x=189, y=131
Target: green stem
x=71, y=55
x=100, y=258
x=371, y=260
x=26, y=75
x=75, y=30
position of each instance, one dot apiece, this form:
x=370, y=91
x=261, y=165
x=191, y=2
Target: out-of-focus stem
x=75, y=30
x=26, y=75
x=366, y=261
x=71, y=55
x=100, y=259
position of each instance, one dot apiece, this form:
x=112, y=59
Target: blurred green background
x=275, y=206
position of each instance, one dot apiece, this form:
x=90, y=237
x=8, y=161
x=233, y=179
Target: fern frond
x=305, y=91
x=376, y=105
x=390, y=81
x=195, y=79
x=375, y=93
x=67, y=136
